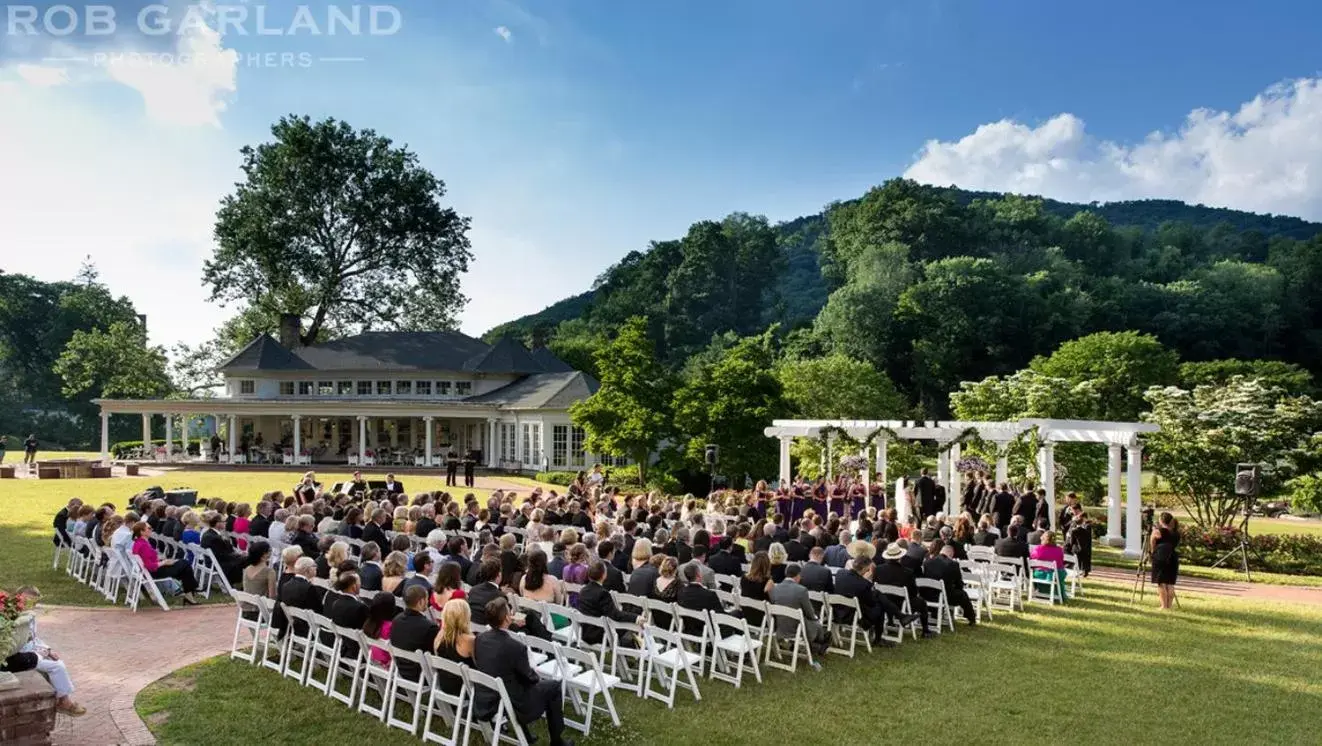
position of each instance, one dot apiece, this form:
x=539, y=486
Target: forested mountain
x=938, y=285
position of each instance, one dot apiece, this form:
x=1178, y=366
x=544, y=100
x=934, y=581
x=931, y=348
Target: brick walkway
x=113, y=653
x=1223, y=588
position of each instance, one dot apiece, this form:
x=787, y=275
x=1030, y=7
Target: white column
x=233, y=435
x=1002, y=462
x=362, y=439
x=427, y=422
x=105, y=436
x=146, y=432
x=169, y=435
x=1134, y=509
x=902, y=509
x=941, y=465
x=547, y=433
x=518, y=441
x=867, y=467
x=1046, y=469
x=954, y=479
x=830, y=457
x=493, y=451
x=784, y=474
x=882, y=444
x=298, y=437
x=1113, y=535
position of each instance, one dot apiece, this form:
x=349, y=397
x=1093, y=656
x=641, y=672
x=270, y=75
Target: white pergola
x=1115, y=435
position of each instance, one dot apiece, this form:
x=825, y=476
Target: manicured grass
x=1113, y=557
x=1101, y=670
x=27, y=507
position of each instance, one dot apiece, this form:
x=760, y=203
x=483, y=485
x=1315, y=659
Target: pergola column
x=954, y=479
x=231, y=431
x=105, y=436
x=169, y=435
x=362, y=438
x=1134, y=508
x=784, y=473
x=298, y=437
x=427, y=423
x=1046, y=456
x=867, y=467
x=882, y=445
x=1114, y=537
x=830, y=457
x=146, y=432
x=1002, y=462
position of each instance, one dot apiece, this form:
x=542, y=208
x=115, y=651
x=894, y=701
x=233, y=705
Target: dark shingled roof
x=542, y=391
x=506, y=356
x=549, y=362
x=264, y=353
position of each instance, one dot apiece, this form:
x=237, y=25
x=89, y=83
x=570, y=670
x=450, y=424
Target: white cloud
x=42, y=75
x=189, y=88
x=1264, y=157
x=504, y=33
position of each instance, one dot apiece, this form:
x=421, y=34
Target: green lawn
x=1216, y=671
x=1113, y=557
x=30, y=505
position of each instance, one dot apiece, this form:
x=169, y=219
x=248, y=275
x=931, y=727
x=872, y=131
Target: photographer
x=1164, y=545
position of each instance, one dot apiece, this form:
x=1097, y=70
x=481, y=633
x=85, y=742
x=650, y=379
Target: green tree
x=114, y=363
x=858, y=319
x=342, y=227
x=1207, y=431
x=729, y=402
x=1120, y=365
x=838, y=387
x=630, y=414
x=925, y=218
x=1288, y=377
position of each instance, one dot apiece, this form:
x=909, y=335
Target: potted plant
x=15, y=632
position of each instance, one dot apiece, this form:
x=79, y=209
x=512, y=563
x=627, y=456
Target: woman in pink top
x=1050, y=551
x=161, y=569
x=379, y=613
x=242, y=522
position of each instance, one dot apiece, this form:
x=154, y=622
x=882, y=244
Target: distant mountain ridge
x=802, y=290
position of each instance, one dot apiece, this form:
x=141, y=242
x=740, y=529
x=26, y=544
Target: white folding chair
x=900, y=595
x=975, y=587
x=325, y=650
x=844, y=608
x=376, y=678
x=454, y=709
x=667, y=661
x=584, y=687
x=254, y=627
x=1006, y=586
x=346, y=664
x=568, y=634
x=1073, y=575
x=752, y=608
x=1044, y=589
x=738, y=649
x=148, y=583
x=980, y=554
x=798, y=639
x=411, y=689
x=62, y=546
x=296, y=644
x=628, y=655
x=933, y=592
x=503, y=725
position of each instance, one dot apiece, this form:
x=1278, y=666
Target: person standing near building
x=30, y=450
x=470, y=464
x=452, y=469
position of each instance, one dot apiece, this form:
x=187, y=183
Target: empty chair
x=734, y=647
x=670, y=665
x=797, y=638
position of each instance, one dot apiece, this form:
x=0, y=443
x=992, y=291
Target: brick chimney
x=291, y=330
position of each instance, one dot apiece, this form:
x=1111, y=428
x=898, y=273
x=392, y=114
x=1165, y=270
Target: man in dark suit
x=487, y=590
x=814, y=575
x=625, y=550
x=797, y=550
x=412, y=630
x=614, y=580
x=1026, y=507
x=856, y=582
x=427, y=523
x=497, y=654
x=231, y=562
x=62, y=519
x=925, y=487
x=556, y=567
x=393, y=486
x=697, y=597
x=891, y=572
x=1035, y=536
x=642, y=579
x=305, y=538
x=1003, y=507
x=357, y=485
x=375, y=532
x=298, y=592
x=261, y=524
x=1011, y=546
x=451, y=469
x=595, y=601
x=370, y=572
x=344, y=608
x=942, y=566
x=470, y=464
x=723, y=562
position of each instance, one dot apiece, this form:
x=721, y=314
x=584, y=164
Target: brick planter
x=6, y=472
x=48, y=472
x=27, y=714
x=101, y=472
x=130, y=470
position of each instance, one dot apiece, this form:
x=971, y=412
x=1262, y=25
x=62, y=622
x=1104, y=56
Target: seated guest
x=392, y=572
x=984, y=537
x=454, y=643
x=260, y=526
x=837, y=555
x=345, y=609
x=299, y=592
x=1011, y=546
x=375, y=532
x=280, y=530
x=1040, y=527
x=242, y=522
x=665, y=589
x=644, y=574
x=47, y=661
x=427, y=523
x=697, y=597
x=305, y=536
x=706, y=575
x=725, y=563
x=333, y=554
x=422, y=568
x=942, y=565
x=380, y=613
x=499, y=655
x=488, y=589
x=892, y=572
x=159, y=568
x=576, y=571
x=789, y=592
x=411, y=630
x=856, y=582
x=288, y=557
x=614, y=578
x=258, y=576
x=814, y=575
x=778, y=557
x=448, y=587
x=371, y=572
x=231, y=562
x=756, y=585
x=596, y=601
x=1050, y=551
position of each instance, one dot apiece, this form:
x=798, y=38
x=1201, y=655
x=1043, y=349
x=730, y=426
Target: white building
x=385, y=397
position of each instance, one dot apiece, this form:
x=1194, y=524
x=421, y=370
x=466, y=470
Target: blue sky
x=575, y=131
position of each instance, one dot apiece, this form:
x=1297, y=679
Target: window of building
x=576, y=440
x=560, y=446
x=345, y=388
x=383, y=388
x=532, y=443
x=442, y=388
x=286, y=388
x=247, y=386
x=404, y=388
x=424, y=388
x=364, y=388
x=305, y=388
x=463, y=388
x=507, y=441
x=325, y=388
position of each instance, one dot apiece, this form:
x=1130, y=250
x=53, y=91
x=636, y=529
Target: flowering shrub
x=971, y=464
x=11, y=608
x=1295, y=554
x=853, y=463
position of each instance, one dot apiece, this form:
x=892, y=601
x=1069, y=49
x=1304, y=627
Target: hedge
x=119, y=448
x=1294, y=554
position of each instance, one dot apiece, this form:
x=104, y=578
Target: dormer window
x=247, y=386
x=463, y=388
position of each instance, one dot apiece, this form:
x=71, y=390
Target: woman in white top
x=276, y=532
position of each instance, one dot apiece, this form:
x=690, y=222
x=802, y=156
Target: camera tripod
x=1242, y=550
x=1141, y=574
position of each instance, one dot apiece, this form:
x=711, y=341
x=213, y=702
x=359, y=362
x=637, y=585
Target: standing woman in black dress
x=1164, y=545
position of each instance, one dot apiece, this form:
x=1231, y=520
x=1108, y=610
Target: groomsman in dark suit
x=452, y=469
x=496, y=653
x=925, y=488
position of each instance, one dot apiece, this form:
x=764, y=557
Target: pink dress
x=1049, y=553
x=241, y=527
x=379, y=655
